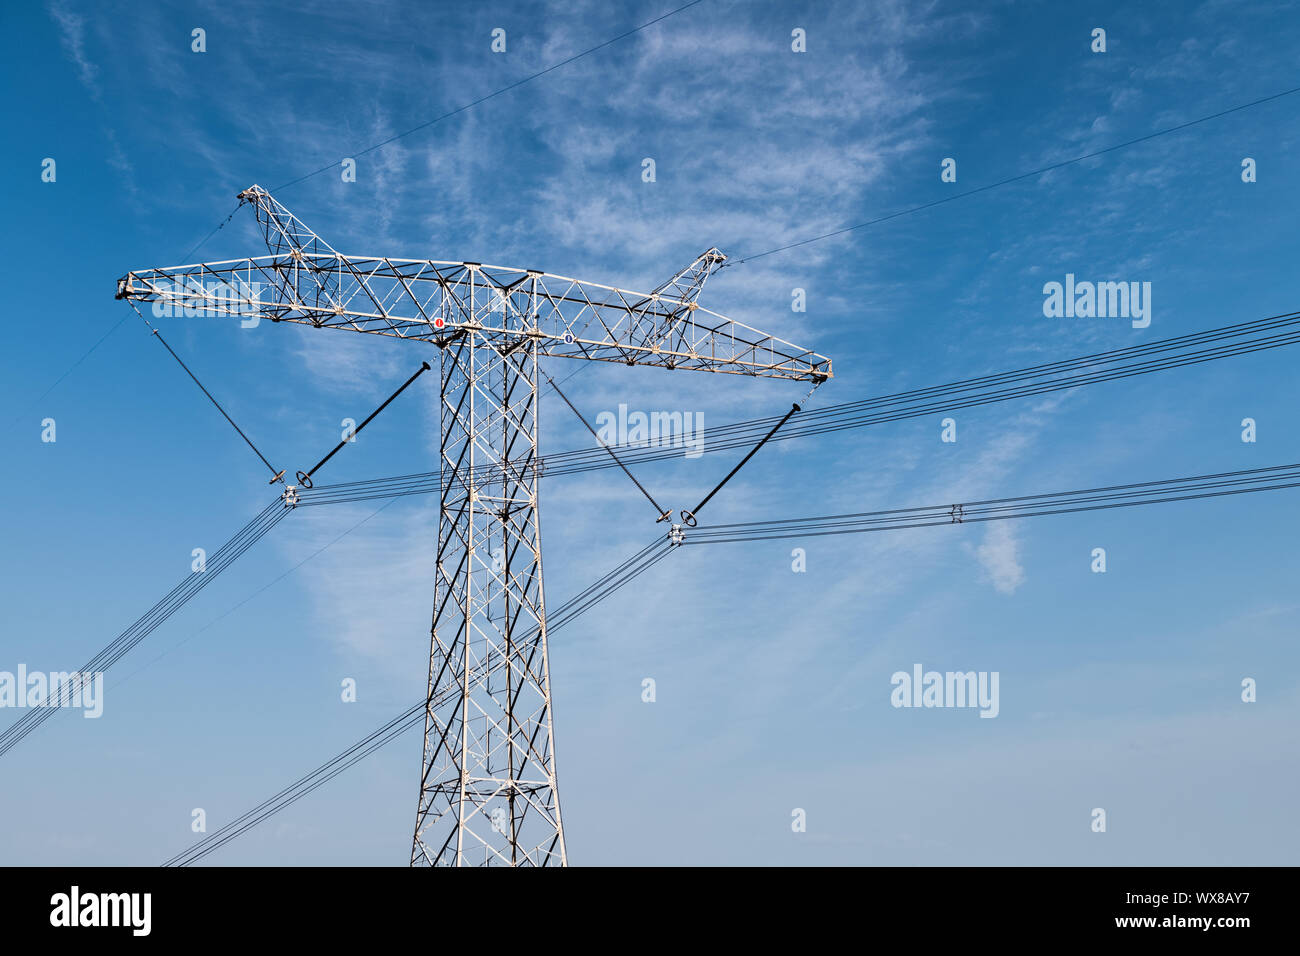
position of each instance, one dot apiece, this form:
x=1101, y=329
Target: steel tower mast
x=488, y=782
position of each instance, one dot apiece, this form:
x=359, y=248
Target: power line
x=461, y=109
x=1131, y=361
x=1247, y=481
x=73, y=367
x=269, y=584
x=145, y=625
x=410, y=718
x=1017, y=178
x=105, y=336
x=384, y=735
x=226, y=555
x=215, y=229
x=495, y=93
x=180, y=595
x=1111, y=496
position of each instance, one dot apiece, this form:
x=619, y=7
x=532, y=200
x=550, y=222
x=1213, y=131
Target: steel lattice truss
x=488, y=792
x=305, y=280
x=487, y=789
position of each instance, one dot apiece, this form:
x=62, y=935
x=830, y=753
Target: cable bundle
x=1192, y=349
x=176, y=598
x=994, y=509
x=413, y=716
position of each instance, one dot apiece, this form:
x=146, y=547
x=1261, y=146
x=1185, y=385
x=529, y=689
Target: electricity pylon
x=487, y=783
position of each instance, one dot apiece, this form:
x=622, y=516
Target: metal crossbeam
x=305, y=281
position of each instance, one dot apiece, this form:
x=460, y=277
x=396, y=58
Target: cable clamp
x=675, y=535
x=290, y=496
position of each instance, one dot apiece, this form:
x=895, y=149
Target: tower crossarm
x=304, y=280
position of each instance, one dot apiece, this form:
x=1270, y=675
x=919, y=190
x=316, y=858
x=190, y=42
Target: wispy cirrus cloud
x=72, y=36
x=999, y=556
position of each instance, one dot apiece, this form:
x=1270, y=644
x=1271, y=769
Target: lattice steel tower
x=487, y=783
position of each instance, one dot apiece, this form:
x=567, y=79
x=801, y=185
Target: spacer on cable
x=304, y=479
x=688, y=519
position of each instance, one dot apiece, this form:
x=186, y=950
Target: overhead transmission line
x=1190, y=349
x=1031, y=174
x=1025, y=506
x=495, y=93
x=75, y=365
x=413, y=716
x=1194, y=348
x=268, y=585
x=221, y=559
x=145, y=625
x=461, y=109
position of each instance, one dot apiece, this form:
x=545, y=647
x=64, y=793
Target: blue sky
x=1118, y=690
